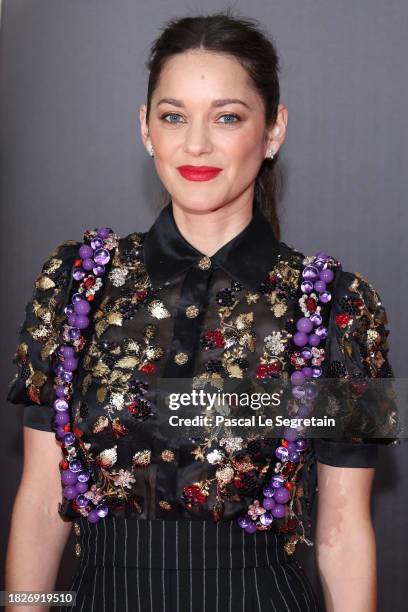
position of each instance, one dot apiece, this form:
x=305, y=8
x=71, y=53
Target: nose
x=197, y=139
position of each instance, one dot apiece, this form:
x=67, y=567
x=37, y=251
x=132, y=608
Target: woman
x=208, y=293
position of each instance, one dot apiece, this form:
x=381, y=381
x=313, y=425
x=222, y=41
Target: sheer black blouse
x=168, y=311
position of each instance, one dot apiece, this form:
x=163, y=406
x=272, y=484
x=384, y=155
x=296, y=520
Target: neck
x=208, y=230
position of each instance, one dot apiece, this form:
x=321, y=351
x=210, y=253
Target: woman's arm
x=345, y=539
x=38, y=534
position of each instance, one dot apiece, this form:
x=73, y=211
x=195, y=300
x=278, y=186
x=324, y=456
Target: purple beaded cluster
x=306, y=359
x=88, y=270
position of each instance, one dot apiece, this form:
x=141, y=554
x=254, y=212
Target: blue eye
x=231, y=115
x=170, y=115
x=235, y=118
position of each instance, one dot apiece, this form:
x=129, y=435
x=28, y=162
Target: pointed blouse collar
x=247, y=257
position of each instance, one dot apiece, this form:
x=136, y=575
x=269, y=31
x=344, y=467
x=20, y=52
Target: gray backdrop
x=73, y=76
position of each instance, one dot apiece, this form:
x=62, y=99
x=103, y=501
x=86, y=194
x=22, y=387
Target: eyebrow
x=214, y=103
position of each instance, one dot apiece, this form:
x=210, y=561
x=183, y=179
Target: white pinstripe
x=163, y=585
x=306, y=596
x=96, y=567
x=256, y=588
x=96, y=542
x=243, y=571
x=255, y=569
x=276, y=581
x=177, y=572
x=191, y=573
x=150, y=565
x=204, y=565
x=104, y=553
x=279, y=566
x=126, y=588
x=83, y=601
x=216, y=574
x=290, y=588
x=269, y=562
x=81, y=567
x=114, y=563
x=266, y=548
x=305, y=587
x=93, y=594
x=87, y=561
x=273, y=605
x=293, y=579
x=137, y=565
x=230, y=571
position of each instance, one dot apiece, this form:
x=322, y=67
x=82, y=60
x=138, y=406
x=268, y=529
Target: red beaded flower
x=343, y=319
x=267, y=370
x=212, y=338
x=148, y=368
x=192, y=495
x=311, y=304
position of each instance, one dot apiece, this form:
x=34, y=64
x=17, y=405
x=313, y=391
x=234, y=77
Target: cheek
x=166, y=145
x=241, y=146
x=244, y=158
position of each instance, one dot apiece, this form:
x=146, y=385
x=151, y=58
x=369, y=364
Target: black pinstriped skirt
x=184, y=566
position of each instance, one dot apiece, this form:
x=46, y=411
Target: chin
x=199, y=204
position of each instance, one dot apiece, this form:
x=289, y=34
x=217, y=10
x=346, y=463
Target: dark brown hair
x=244, y=39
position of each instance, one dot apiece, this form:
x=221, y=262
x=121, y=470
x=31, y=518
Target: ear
x=144, y=128
x=276, y=133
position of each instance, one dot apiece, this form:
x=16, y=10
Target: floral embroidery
x=280, y=285
x=272, y=362
x=34, y=379
x=195, y=493
x=212, y=338
x=240, y=467
x=129, y=273
x=118, y=276
x=108, y=457
x=142, y=458
x=123, y=478
x=252, y=298
x=232, y=335
x=164, y=504
x=116, y=377
x=113, y=364
x=44, y=316
x=167, y=455
x=274, y=343
x=363, y=320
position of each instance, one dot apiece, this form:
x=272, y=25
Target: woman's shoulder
x=107, y=238
x=133, y=240
x=349, y=286
x=55, y=267
x=63, y=250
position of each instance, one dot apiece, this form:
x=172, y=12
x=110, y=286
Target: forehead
x=204, y=72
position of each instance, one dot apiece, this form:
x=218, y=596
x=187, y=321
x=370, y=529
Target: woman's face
x=191, y=123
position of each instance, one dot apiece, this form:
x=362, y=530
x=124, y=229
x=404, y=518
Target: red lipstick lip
x=199, y=173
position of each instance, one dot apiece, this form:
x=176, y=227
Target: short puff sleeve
x=357, y=348
x=32, y=385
